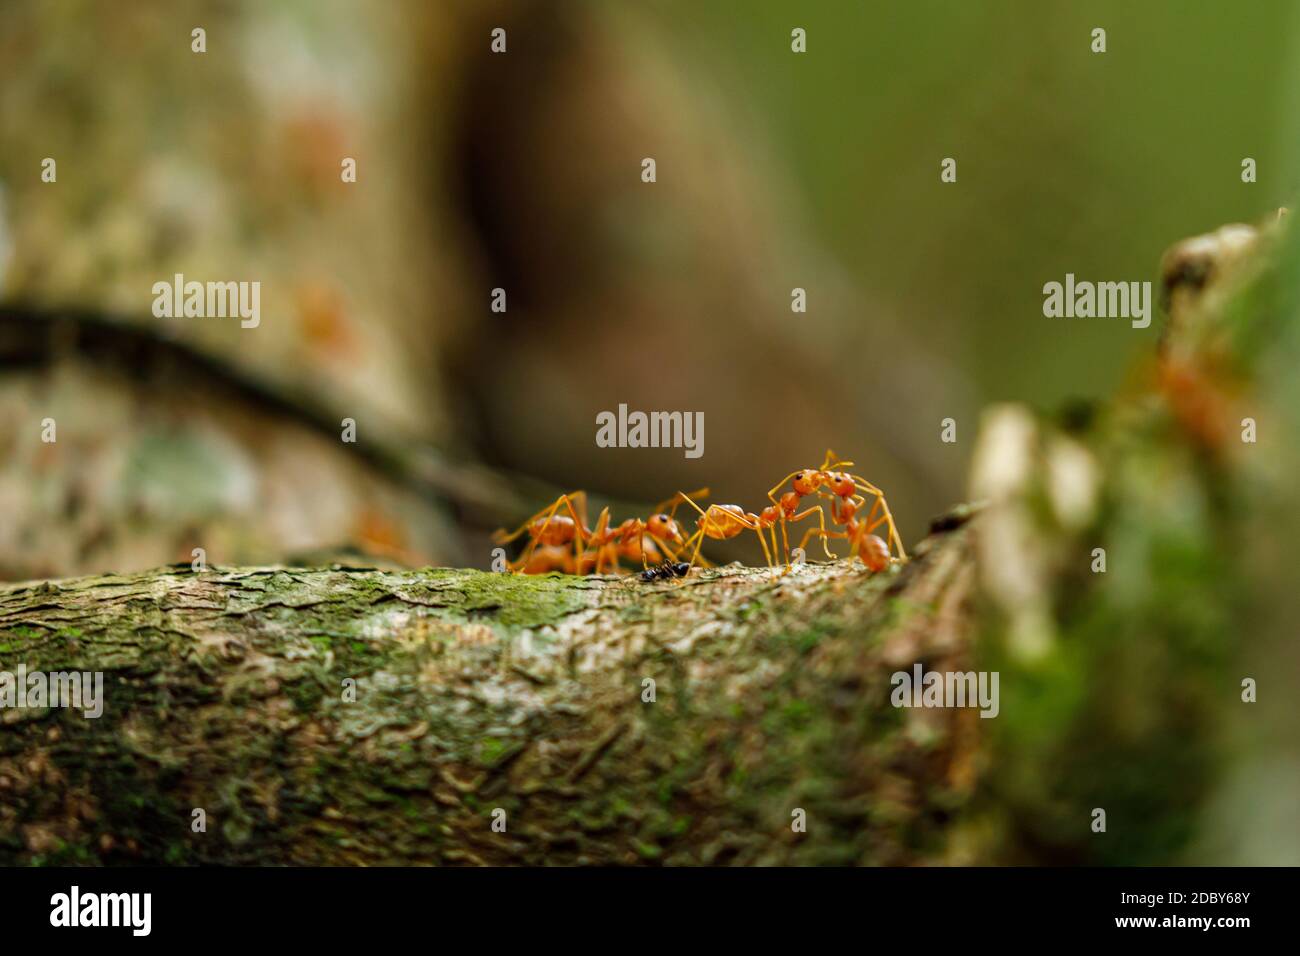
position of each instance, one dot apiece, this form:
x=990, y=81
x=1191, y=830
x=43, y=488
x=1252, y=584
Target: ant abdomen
x=874, y=552
x=554, y=530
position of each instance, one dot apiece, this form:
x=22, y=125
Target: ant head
x=663, y=527
x=807, y=481
x=840, y=484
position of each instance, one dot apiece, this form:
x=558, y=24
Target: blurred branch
x=33, y=337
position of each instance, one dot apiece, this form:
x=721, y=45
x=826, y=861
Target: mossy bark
x=225, y=691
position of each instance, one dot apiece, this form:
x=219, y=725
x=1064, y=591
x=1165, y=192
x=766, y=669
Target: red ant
x=726, y=521
x=846, y=499
x=845, y=492
x=549, y=536
x=721, y=522
x=599, y=548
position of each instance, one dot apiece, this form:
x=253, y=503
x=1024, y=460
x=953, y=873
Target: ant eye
x=663, y=517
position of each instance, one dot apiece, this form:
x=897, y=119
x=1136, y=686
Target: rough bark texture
x=475, y=691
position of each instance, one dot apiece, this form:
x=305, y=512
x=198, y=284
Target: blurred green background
x=1069, y=161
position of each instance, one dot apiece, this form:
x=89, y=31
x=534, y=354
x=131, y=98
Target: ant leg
x=753, y=525
x=700, y=533
x=895, y=538
x=579, y=526
x=771, y=496
x=687, y=498
x=833, y=460
x=500, y=537
x=579, y=529
x=698, y=538
x=671, y=548
x=535, y=538
x=873, y=525
x=781, y=484
x=671, y=551
x=674, y=552
x=666, y=547
x=655, y=544
x=578, y=499
x=824, y=535
x=676, y=501
x=875, y=507
x=821, y=520
x=868, y=487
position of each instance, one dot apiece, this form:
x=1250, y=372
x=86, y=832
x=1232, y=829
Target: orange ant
x=550, y=534
x=721, y=522
x=595, y=549
x=648, y=540
x=726, y=521
x=844, y=490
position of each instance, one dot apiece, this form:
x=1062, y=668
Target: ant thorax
x=843, y=510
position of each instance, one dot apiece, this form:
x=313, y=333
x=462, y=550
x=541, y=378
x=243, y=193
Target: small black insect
x=666, y=570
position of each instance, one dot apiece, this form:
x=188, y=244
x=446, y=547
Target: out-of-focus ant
x=649, y=540
x=564, y=542
x=550, y=534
